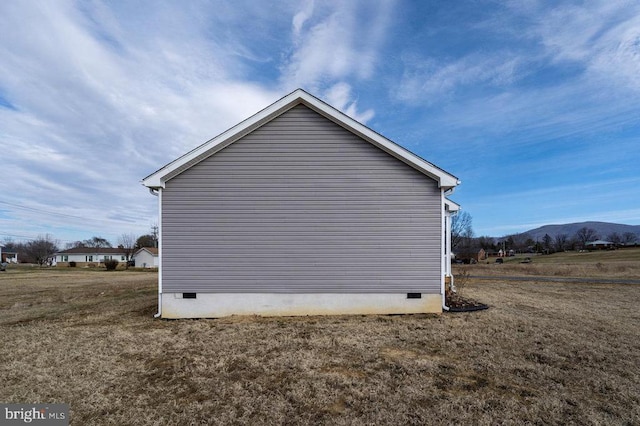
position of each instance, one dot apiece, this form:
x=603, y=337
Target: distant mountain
x=602, y=228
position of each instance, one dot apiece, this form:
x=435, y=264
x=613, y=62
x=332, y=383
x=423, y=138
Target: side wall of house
x=82, y=259
x=301, y=206
x=144, y=259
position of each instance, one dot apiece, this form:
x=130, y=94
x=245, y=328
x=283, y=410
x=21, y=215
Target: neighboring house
x=146, y=257
x=599, y=245
x=301, y=210
x=471, y=255
x=506, y=253
x=8, y=256
x=84, y=256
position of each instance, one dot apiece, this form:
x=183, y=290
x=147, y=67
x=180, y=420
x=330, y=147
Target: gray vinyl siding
x=301, y=205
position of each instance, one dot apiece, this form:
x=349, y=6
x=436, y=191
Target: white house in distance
x=301, y=210
x=146, y=257
x=84, y=256
x=599, y=245
x=8, y=256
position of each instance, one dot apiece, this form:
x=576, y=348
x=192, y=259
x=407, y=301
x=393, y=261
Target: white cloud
x=598, y=39
x=335, y=44
x=94, y=95
x=570, y=70
x=105, y=94
x=426, y=80
x=301, y=17
x=103, y=101
x=602, y=36
x=339, y=96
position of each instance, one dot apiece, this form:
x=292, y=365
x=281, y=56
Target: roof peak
x=299, y=96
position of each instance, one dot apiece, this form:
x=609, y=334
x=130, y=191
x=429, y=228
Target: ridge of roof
x=93, y=250
x=152, y=250
x=158, y=178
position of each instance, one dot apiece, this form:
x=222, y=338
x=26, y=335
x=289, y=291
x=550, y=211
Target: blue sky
x=534, y=105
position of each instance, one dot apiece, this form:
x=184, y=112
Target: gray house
x=301, y=210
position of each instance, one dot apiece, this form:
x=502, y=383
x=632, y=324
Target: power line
x=17, y=236
x=24, y=237
x=33, y=209
x=49, y=212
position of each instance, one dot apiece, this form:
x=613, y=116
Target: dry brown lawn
x=614, y=264
x=544, y=353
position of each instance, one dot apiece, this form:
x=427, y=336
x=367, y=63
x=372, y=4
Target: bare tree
x=127, y=242
x=518, y=242
x=584, y=235
x=614, y=237
x=145, y=241
x=561, y=242
x=629, y=238
x=486, y=243
x=547, y=242
x=96, y=242
x=461, y=229
x=41, y=249
x=74, y=244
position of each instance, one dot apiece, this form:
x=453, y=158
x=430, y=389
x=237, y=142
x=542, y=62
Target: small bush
x=72, y=264
x=461, y=280
x=111, y=264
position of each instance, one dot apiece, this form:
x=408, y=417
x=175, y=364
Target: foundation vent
x=414, y=295
x=188, y=295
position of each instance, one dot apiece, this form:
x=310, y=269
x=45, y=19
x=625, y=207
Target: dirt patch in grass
x=548, y=353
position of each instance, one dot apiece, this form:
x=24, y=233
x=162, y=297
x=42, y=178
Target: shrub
x=111, y=264
x=461, y=280
x=72, y=264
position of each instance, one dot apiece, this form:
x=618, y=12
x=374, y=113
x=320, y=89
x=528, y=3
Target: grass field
x=544, y=353
x=619, y=264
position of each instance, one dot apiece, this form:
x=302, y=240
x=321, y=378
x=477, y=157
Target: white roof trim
x=147, y=250
x=452, y=206
x=299, y=96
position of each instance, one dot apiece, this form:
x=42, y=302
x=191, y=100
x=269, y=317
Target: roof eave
x=159, y=177
x=451, y=206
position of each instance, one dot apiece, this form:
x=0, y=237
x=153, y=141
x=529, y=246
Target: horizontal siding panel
x=312, y=285
x=294, y=272
x=354, y=252
x=301, y=205
x=358, y=262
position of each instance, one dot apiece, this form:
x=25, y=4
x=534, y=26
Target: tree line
x=463, y=239
x=42, y=249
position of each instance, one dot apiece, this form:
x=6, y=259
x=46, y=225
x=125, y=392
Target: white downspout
x=449, y=214
x=446, y=218
x=158, y=193
x=444, y=248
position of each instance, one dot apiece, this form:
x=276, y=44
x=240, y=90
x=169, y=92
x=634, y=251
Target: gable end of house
x=298, y=97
